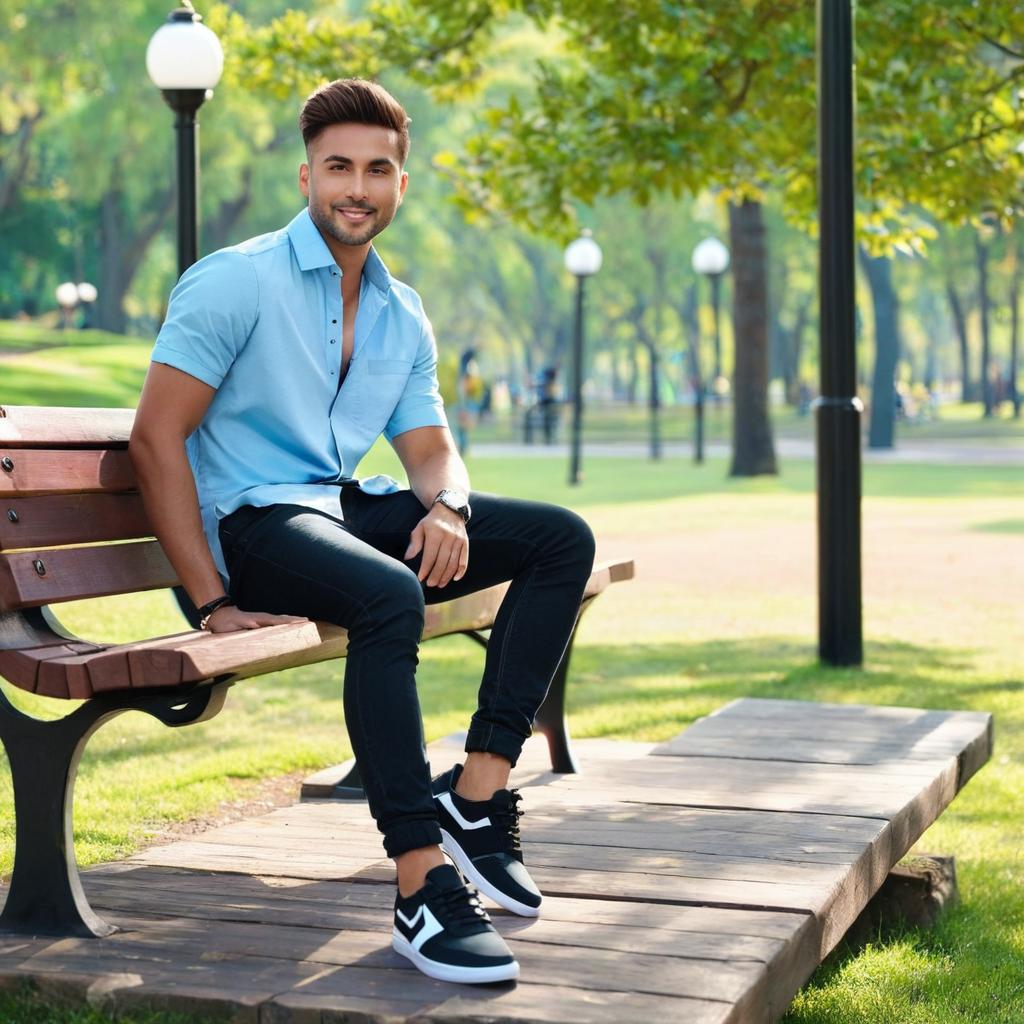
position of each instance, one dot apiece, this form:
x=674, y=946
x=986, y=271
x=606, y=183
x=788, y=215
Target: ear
x=304, y=180
x=403, y=183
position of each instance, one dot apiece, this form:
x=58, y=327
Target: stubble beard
x=329, y=226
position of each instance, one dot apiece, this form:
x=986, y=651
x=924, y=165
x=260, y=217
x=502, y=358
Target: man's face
x=354, y=181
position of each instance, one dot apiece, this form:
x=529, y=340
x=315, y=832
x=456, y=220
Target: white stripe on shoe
x=449, y=806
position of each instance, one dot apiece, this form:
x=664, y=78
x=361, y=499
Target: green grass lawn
x=723, y=606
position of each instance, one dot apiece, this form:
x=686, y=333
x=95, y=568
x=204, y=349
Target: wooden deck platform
x=700, y=880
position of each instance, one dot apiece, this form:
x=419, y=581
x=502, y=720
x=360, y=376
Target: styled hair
x=354, y=101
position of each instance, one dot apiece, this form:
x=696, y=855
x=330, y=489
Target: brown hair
x=354, y=100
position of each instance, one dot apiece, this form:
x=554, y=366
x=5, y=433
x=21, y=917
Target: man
x=281, y=361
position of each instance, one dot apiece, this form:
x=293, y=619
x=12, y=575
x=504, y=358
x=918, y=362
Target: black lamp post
x=838, y=410
x=184, y=59
x=711, y=260
x=583, y=260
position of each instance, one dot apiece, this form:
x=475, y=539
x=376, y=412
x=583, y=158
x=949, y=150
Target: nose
x=356, y=186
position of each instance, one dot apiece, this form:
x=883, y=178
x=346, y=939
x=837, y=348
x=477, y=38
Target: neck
x=350, y=258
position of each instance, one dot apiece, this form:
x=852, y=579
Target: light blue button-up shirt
x=261, y=323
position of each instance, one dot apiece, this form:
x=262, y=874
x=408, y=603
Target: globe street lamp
x=185, y=60
x=582, y=259
x=87, y=295
x=66, y=294
x=711, y=259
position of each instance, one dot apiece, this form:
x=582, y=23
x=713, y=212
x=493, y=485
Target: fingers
x=456, y=562
x=452, y=565
x=415, y=542
x=233, y=619
x=431, y=548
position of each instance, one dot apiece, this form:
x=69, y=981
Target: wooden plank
x=38, y=471
x=52, y=520
x=30, y=426
x=75, y=573
x=21, y=668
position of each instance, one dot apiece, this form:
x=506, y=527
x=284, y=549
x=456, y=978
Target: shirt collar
x=312, y=253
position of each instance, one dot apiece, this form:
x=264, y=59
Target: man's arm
x=171, y=407
x=432, y=463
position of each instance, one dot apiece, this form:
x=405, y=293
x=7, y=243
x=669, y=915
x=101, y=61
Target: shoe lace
x=462, y=908
x=508, y=812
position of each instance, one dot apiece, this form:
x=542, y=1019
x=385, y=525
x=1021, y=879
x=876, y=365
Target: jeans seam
x=504, y=649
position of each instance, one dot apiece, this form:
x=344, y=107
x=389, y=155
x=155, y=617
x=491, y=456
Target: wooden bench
x=66, y=479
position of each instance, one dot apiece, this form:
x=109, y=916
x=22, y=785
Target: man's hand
x=229, y=619
x=441, y=536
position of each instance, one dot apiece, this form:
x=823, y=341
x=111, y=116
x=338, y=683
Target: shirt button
x=332, y=341
x=334, y=321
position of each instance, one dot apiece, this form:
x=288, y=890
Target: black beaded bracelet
x=210, y=607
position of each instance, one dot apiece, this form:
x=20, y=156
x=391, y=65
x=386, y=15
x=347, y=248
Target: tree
x=878, y=270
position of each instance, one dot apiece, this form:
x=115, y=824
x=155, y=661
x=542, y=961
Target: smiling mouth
x=354, y=213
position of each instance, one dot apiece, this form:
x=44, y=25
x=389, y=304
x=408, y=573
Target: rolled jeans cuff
x=411, y=835
x=493, y=739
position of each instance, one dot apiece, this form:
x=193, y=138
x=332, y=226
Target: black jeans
x=288, y=559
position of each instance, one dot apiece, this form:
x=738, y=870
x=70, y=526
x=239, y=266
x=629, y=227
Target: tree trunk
x=219, y=229
x=122, y=252
x=967, y=392
x=13, y=172
x=633, y=381
x=753, y=451
x=987, y=398
x=796, y=350
x=654, y=403
x=887, y=348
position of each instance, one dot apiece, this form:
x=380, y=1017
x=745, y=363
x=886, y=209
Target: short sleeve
x=421, y=404
x=211, y=313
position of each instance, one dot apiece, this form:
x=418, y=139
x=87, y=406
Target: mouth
x=355, y=214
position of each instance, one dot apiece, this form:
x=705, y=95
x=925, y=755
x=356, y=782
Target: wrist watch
x=456, y=501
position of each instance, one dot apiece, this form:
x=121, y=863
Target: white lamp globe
x=583, y=256
x=710, y=257
x=67, y=294
x=184, y=54
x=87, y=292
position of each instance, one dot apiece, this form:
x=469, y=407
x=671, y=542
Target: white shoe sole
x=452, y=972
x=470, y=872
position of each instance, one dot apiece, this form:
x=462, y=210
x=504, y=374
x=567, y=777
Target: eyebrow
x=380, y=161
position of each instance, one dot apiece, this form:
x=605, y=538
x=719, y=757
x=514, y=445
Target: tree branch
x=1001, y=47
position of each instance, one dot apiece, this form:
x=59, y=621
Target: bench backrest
x=66, y=479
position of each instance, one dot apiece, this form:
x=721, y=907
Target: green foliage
x=677, y=97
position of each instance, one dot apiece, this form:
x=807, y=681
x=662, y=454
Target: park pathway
x=962, y=453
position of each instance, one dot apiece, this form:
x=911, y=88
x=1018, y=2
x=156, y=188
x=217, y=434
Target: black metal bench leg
x=45, y=895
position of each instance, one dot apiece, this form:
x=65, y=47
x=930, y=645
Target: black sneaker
x=482, y=838
x=445, y=931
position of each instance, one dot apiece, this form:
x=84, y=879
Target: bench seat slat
x=197, y=656
x=71, y=574
x=37, y=471
x=72, y=519
x=30, y=426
